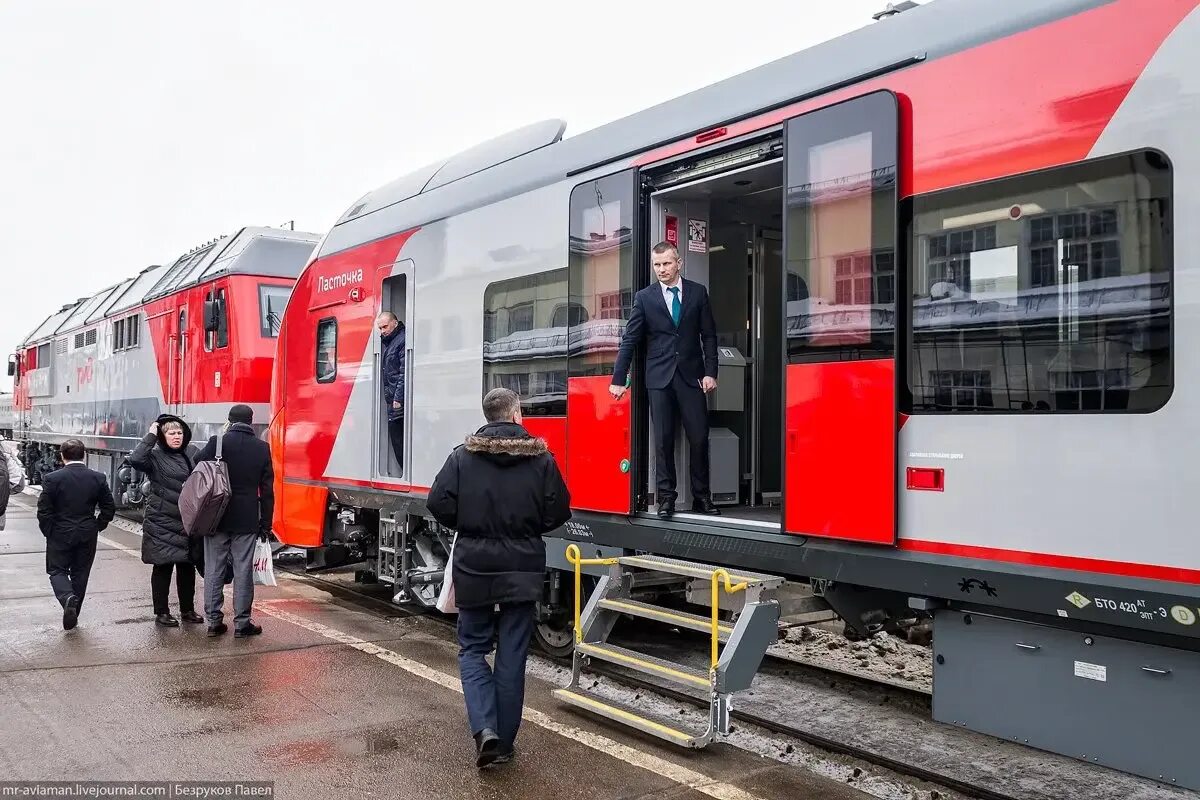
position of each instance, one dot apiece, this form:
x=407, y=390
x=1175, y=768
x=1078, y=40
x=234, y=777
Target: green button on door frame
x=624, y=465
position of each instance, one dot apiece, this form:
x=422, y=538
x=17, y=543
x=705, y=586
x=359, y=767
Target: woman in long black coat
x=163, y=456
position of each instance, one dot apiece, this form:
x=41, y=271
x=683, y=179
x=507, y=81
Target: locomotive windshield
x=271, y=302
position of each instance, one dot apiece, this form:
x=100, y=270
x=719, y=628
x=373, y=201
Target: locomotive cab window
x=216, y=320
x=272, y=300
x=1045, y=292
x=326, y=350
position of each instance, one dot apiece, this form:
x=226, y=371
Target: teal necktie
x=675, y=306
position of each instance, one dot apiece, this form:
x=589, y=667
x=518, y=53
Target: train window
x=326, y=350
x=841, y=210
x=601, y=264
x=132, y=328
x=525, y=340
x=219, y=337
x=1045, y=292
x=272, y=300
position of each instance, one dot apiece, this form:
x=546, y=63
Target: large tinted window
x=1045, y=292
x=525, y=340
x=601, y=271
x=841, y=231
x=272, y=300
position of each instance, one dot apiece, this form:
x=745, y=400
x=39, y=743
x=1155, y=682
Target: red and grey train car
x=189, y=338
x=957, y=339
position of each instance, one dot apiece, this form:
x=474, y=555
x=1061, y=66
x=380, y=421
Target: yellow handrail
x=574, y=557
x=717, y=576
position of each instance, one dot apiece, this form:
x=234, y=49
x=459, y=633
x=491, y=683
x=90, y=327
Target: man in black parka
x=501, y=491
x=165, y=457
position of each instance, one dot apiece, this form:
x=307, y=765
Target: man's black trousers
x=683, y=402
x=69, y=564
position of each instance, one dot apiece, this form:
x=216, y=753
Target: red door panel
x=840, y=458
x=598, y=467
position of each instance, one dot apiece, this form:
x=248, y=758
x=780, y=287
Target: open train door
x=599, y=459
x=840, y=245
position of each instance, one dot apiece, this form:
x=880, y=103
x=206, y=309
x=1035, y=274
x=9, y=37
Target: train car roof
x=537, y=154
x=270, y=252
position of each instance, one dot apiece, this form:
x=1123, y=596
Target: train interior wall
x=729, y=234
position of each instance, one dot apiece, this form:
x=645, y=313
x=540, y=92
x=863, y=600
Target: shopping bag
x=445, y=601
x=3, y=522
x=264, y=567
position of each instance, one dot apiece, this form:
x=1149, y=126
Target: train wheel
x=555, y=637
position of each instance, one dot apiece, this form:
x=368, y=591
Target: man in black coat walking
x=674, y=318
x=501, y=491
x=68, y=519
x=247, y=517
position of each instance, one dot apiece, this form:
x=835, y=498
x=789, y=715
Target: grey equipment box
x=724, y=462
x=731, y=381
x=1127, y=705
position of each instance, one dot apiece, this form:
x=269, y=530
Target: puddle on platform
x=354, y=744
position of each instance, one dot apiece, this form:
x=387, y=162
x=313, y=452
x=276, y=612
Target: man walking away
x=68, y=519
x=501, y=491
x=5, y=487
x=248, y=515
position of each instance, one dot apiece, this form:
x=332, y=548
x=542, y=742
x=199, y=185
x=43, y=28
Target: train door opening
x=393, y=371
x=177, y=374
x=728, y=230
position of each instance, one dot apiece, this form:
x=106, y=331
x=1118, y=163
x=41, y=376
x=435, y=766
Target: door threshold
x=722, y=521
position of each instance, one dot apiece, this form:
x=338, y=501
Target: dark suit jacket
x=67, y=507
x=251, y=480
x=690, y=350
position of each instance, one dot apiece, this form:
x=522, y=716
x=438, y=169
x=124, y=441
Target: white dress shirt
x=669, y=297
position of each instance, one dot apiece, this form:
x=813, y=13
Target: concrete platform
x=331, y=701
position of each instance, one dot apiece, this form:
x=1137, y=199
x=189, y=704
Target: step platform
x=738, y=647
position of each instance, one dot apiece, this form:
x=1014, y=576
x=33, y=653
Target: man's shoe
x=249, y=629
x=666, y=509
x=166, y=620
x=705, y=506
x=218, y=629
x=70, y=612
x=487, y=747
x=192, y=617
x=506, y=754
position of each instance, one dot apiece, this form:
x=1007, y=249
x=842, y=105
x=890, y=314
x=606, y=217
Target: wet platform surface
x=331, y=701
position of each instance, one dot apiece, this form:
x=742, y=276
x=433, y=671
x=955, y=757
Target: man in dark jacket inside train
x=246, y=518
x=391, y=336
x=501, y=491
x=165, y=458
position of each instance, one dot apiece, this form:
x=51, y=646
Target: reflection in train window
x=525, y=340
x=1045, y=292
x=326, y=350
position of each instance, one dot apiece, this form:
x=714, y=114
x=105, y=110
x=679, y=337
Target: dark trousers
x=494, y=699
x=396, y=435
x=680, y=402
x=69, y=564
x=185, y=587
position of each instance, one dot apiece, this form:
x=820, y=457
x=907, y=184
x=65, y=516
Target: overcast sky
x=133, y=130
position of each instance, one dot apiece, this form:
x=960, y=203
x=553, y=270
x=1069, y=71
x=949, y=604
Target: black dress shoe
x=705, y=507
x=666, y=509
x=70, y=612
x=218, y=629
x=506, y=754
x=192, y=617
x=249, y=629
x=487, y=747
x=166, y=620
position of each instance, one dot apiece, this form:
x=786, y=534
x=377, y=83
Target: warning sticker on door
x=697, y=236
x=1093, y=672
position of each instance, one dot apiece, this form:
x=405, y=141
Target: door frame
x=380, y=478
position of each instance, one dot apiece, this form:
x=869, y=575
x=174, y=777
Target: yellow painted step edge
x=600, y=652
x=623, y=714
x=663, y=615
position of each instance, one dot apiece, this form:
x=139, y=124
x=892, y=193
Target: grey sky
x=134, y=130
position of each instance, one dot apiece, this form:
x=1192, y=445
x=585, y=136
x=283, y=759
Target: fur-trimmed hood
x=162, y=439
x=505, y=443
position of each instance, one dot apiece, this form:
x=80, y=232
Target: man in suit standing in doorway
x=674, y=319
x=67, y=517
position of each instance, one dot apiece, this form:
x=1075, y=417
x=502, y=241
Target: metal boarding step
x=750, y=596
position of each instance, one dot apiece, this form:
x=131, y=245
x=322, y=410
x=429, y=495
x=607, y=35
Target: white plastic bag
x=3, y=522
x=16, y=472
x=445, y=601
x=264, y=567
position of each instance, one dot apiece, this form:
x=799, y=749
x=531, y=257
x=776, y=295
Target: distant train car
x=190, y=338
x=956, y=330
